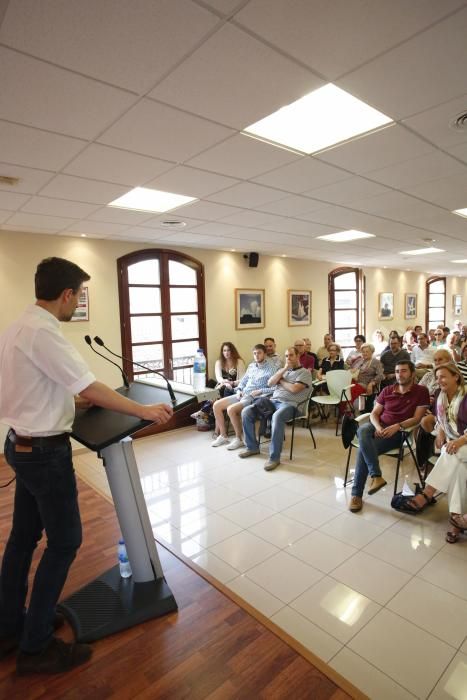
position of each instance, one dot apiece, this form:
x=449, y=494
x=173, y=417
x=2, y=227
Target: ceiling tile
x=422, y=169
x=302, y=175
x=205, y=210
x=332, y=38
x=191, y=182
x=58, y=207
x=96, y=228
x=4, y=215
x=30, y=179
x=301, y=228
x=158, y=222
x=98, y=38
x=115, y=165
x=11, y=200
x=347, y=191
x=250, y=218
x=163, y=132
x=431, y=63
x=45, y=223
x=37, y=94
x=434, y=123
x=119, y=216
x=459, y=151
x=247, y=194
x=243, y=157
x=21, y=145
x=225, y=7
x=449, y=192
x=77, y=189
x=215, y=228
x=390, y=145
x=291, y=206
x=217, y=80
x=395, y=205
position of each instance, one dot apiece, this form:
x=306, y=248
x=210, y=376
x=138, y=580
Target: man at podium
x=41, y=373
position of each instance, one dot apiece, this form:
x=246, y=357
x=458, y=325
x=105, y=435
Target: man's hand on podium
x=157, y=412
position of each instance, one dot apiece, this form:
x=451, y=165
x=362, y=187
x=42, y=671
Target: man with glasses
x=305, y=360
x=422, y=355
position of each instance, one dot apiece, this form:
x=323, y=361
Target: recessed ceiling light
x=284, y=256
x=318, y=120
x=421, y=251
x=460, y=212
x=145, y=199
x=343, y=236
x=459, y=261
x=84, y=235
x=233, y=250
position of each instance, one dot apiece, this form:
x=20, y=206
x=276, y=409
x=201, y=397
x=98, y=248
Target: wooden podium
x=111, y=603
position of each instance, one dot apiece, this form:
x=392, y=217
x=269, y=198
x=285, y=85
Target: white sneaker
x=220, y=440
x=235, y=444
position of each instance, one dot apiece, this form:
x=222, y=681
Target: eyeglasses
x=438, y=334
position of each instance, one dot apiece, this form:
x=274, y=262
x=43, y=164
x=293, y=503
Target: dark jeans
x=370, y=447
x=46, y=498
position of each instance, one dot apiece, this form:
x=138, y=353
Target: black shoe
x=57, y=657
x=10, y=644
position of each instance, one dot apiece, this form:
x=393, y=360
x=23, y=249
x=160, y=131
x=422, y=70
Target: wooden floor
x=211, y=648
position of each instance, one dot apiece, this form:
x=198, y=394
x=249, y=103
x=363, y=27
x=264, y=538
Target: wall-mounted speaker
x=253, y=259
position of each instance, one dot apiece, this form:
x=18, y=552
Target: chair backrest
x=337, y=380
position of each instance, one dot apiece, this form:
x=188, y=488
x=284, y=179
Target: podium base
x=111, y=603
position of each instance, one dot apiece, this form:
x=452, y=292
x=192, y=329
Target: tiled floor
x=379, y=596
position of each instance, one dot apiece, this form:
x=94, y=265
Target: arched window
x=346, y=305
x=162, y=312
x=435, y=302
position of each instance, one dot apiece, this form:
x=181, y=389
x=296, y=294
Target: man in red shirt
x=307, y=361
x=399, y=406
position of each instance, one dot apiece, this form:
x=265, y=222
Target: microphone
x=88, y=340
x=100, y=342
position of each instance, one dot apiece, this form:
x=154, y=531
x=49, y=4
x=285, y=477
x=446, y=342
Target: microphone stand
x=88, y=340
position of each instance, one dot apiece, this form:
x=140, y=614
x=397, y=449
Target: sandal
x=411, y=506
x=452, y=537
x=458, y=521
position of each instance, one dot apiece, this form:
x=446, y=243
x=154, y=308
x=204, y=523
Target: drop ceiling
x=99, y=97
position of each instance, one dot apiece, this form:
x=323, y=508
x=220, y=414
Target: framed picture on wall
x=249, y=309
x=299, y=307
x=81, y=313
x=386, y=306
x=457, y=304
x=410, y=306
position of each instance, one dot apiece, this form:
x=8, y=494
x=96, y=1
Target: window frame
x=428, y=283
x=164, y=256
x=360, y=308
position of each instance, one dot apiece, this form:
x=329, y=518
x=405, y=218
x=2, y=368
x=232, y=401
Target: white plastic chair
x=339, y=382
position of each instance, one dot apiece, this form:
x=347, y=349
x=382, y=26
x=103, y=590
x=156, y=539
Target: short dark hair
x=409, y=364
x=259, y=346
x=359, y=337
x=271, y=339
x=54, y=275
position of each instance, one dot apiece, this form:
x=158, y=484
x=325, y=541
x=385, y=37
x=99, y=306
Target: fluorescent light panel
x=318, y=120
x=460, y=212
x=344, y=236
x=421, y=251
x=145, y=199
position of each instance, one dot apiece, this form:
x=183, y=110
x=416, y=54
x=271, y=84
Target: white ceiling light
x=421, y=251
x=318, y=120
x=145, y=199
x=459, y=261
x=344, y=236
x=460, y=212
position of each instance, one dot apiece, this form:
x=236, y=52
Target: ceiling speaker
x=253, y=260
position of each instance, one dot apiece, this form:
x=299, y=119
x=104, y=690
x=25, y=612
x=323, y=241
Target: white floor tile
x=434, y=610
x=398, y=550
x=371, y=577
x=243, y=551
x=312, y=637
x=352, y=529
x=447, y=572
x=336, y=608
x=453, y=684
x=284, y=576
x=422, y=531
x=311, y=513
x=404, y=652
x=249, y=485
x=321, y=551
x=280, y=530
x=215, y=566
x=212, y=529
x=255, y=595
x=375, y=684
x=166, y=533
x=246, y=513
x=278, y=498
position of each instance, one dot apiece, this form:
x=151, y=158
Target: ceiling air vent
x=10, y=181
x=459, y=122
x=173, y=223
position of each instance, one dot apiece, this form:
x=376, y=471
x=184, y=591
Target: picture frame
x=81, y=313
x=249, y=309
x=299, y=307
x=410, y=305
x=385, y=306
x=457, y=304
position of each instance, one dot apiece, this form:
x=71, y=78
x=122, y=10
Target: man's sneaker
x=270, y=465
x=248, y=453
x=376, y=484
x=9, y=644
x=235, y=444
x=356, y=504
x=57, y=657
x=220, y=440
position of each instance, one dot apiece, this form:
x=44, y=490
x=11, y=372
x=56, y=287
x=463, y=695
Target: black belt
x=45, y=441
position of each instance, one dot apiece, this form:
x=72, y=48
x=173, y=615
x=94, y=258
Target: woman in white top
x=379, y=342
x=229, y=368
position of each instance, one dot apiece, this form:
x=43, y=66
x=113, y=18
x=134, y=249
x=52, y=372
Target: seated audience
x=229, y=368
x=306, y=360
x=451, y=345
x=323, y=351
x=438, y=341
x=355, y=358
x=290, y=385
x=422, y=355
x=379, y=342
x=409, y=340
x=449, y=474
x=391, y=357
x=271, y=354
x=440, y=357
x=462, y=365
x=253, y=383
x=369, y=375
x=331, y=362
x=309, y=351
x=401, y=405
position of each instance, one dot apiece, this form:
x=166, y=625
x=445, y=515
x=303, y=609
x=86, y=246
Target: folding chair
x=339, y=382
x=302, y=412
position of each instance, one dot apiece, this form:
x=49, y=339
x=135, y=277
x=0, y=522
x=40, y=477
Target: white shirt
x=424, y=356
x=40, y=372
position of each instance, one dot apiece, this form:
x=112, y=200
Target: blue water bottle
x=123, y=561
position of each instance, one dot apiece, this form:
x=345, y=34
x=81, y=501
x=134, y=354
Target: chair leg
x=291, y=439
x=347, y=465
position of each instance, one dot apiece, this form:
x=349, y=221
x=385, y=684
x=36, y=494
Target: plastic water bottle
x=123, y=562
x=199, y=371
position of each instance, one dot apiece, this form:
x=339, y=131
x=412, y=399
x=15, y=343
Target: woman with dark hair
x=229, y=368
